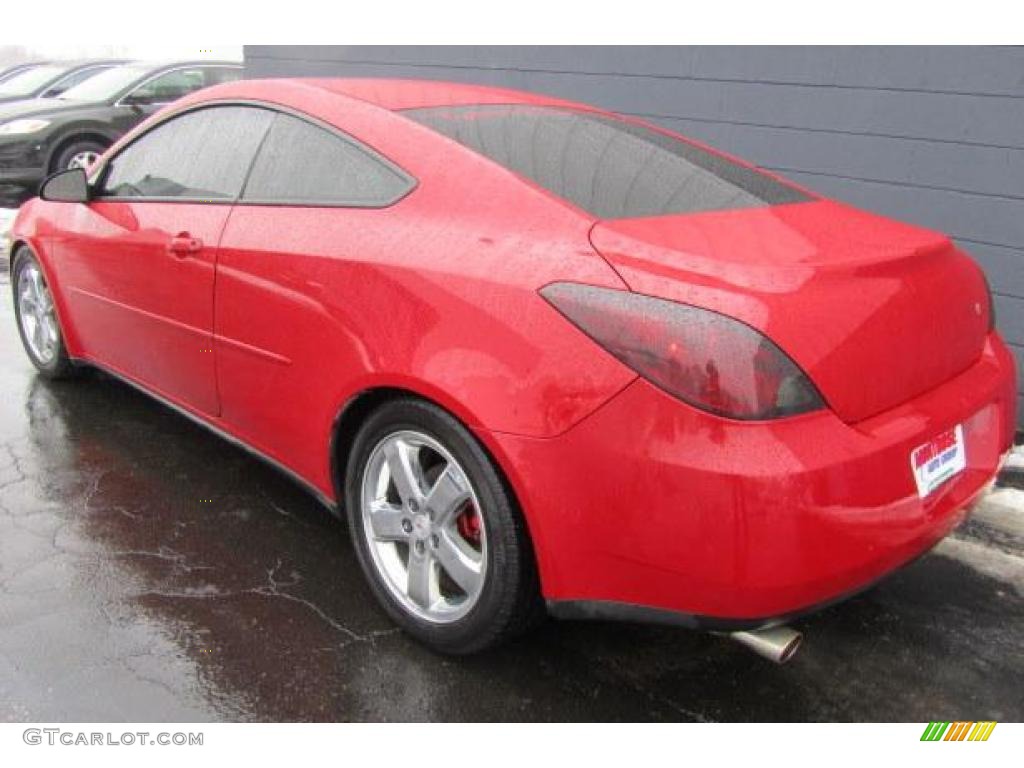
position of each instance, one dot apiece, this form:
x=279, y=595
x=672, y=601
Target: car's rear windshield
x=609, y=167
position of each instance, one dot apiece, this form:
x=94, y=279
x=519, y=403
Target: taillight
x=704, y=358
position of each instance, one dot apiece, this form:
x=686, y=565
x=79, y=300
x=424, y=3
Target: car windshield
x=106, y=85
x=31, y=80
x=7, y=74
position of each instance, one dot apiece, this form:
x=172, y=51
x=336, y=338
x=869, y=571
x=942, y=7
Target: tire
x=73, y=155
x=504, y=600
x=55, y=364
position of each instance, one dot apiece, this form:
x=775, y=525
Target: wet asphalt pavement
x=151, y=572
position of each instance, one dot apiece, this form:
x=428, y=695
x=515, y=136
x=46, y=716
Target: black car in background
x=38, y=138
x=51, y=79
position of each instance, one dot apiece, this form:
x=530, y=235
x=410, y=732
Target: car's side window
x=218, y=75
x=200, y=155
x=302, y=163
x=176, y=84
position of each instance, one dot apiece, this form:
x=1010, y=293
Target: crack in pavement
x=273, y=588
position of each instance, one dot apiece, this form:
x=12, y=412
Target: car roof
x=149, y=67
x=414, y=94
x=386, y=94
x=70, y=64
x=164, y=64
x=25, y=65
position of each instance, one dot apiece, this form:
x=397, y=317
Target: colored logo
x=958, y=731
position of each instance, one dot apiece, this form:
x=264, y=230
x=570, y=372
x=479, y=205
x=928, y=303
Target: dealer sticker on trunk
x=938, y=460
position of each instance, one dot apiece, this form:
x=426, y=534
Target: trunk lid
x=874, y=311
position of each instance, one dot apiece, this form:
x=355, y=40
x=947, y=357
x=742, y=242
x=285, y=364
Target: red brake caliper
x=468, y=525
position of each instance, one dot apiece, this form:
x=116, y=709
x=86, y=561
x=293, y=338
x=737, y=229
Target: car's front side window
x=200, y=155
x=301, y=163
x=169, y=86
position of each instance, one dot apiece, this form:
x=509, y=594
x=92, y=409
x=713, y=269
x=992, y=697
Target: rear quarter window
x=302, y=163
x=609, y=167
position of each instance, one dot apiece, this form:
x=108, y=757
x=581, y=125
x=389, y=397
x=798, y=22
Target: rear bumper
x=653, y=510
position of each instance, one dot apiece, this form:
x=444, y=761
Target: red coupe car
x=541, y=355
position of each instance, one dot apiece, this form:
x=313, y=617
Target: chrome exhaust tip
x=778, y=644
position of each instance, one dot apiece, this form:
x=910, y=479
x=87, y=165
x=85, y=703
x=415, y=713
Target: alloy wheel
x=424, y=527
x=36, y=314
x=83, y=160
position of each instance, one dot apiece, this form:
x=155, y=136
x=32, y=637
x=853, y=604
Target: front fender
x=34, y=227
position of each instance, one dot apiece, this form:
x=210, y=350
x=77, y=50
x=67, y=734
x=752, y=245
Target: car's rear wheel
x=37, y=319
x=81, y=153
x=437, y=532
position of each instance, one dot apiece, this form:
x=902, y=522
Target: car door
x=139, y=272
x=290, y=282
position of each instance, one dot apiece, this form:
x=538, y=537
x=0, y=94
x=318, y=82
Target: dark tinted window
x=203, y=154
x=606, y=166
x=303, y=163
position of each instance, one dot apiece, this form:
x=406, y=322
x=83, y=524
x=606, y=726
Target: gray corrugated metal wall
x=933, y=136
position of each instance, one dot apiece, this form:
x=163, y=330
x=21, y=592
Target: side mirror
x=68, y=186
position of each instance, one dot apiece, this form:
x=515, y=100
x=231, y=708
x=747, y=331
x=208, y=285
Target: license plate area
x=939, y=460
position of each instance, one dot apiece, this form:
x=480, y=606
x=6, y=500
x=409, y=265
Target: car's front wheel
x=80, y=153
x=437, y=532
x=36, y=316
